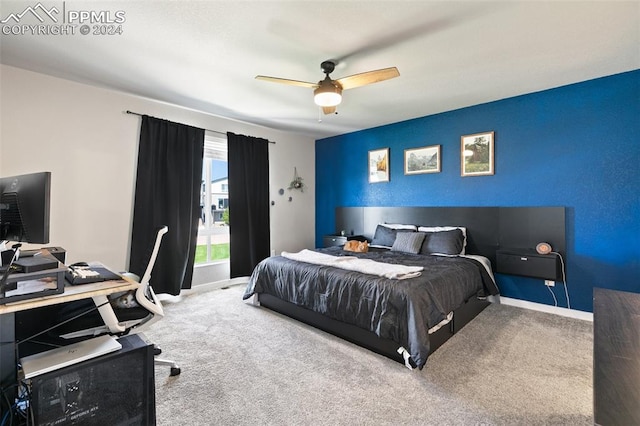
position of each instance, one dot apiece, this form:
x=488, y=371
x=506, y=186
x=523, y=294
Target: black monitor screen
x=24, y=208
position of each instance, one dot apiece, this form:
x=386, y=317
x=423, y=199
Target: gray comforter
x=399, y=310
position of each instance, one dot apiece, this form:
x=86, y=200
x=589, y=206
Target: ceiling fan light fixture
x=327, y=95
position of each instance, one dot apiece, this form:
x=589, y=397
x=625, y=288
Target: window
x=213, y=231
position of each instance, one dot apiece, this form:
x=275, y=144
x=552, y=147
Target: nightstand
x=529, y=263
x=340, y=240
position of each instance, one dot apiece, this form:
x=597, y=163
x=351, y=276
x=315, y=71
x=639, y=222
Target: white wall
x=84, y=137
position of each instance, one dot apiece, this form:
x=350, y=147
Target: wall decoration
x=296, y=183
x=378, y=165
x=422, y=160
x=476, y=154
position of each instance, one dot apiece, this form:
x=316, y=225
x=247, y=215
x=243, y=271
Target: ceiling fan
x=327, y=93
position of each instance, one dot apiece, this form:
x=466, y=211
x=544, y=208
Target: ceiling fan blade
x=287, y=81
x=369, y=77
x=329, y=110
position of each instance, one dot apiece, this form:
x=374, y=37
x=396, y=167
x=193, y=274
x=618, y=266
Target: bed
x=403, y=298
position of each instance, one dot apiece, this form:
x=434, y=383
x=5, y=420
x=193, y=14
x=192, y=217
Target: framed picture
x=422, y=160
x=476, y=154
x=379, y=165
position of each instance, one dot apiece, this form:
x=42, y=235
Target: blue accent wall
x=576, y=146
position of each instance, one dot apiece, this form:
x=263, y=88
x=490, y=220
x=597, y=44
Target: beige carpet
x=247, y=365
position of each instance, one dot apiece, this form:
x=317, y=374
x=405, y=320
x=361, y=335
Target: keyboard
x=89, y=274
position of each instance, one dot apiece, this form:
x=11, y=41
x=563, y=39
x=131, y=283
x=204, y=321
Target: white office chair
x=144, y=296
x=120, y=320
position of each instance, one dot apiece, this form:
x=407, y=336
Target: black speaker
x=113, y=389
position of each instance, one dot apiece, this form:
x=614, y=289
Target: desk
x=96, y=291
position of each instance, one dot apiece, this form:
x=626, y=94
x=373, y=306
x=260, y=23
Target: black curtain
x=168, y=183
x=248, y=163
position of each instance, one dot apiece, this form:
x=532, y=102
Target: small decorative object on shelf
x=296, y=183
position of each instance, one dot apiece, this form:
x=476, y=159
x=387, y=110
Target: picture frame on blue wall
x=378, y=165
x=425, y=159
x=477, y=154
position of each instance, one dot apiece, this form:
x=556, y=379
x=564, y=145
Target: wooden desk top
x=71, y=293
x=616, y=357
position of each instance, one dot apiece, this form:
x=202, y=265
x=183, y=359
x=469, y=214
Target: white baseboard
x=571, y=313
x=220, y=284
x=217, y=285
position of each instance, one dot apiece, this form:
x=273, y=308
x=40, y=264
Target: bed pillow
x=443, y=242
x=385, y=236
x=400, y=226
x=408, y=242
x=447, y=228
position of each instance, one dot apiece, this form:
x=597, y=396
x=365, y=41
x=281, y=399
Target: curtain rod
x=208, y=130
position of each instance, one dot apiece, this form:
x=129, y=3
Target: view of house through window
x=213, y=229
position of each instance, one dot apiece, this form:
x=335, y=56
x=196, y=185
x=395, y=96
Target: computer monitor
x=24, y=208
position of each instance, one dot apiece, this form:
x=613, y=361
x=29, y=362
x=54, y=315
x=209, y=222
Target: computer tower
x=113, y=389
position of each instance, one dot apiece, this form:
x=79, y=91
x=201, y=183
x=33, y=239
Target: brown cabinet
x=616, y=357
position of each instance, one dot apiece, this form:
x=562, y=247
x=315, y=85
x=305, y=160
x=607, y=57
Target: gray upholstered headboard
x=488, y=228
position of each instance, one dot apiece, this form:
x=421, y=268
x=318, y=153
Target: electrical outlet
x=549, y=283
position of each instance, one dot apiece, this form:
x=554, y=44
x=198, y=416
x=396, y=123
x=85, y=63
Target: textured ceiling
x=204, y=55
